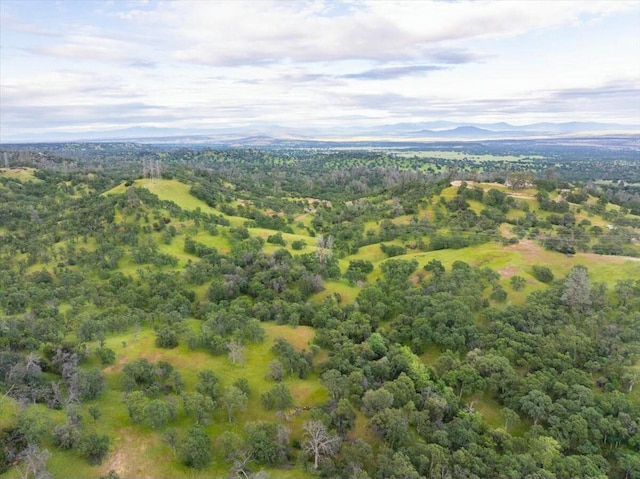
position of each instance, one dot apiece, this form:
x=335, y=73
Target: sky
x=84, y=66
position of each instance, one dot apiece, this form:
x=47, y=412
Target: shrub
x=298, y=244
x=518, y=283
x=196, y=450
x=94, y=448
x=542, y=274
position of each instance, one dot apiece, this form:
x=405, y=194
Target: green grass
x=347, y=292
x=179, y=193
x=137, y=450
x=431, y=355
x=489, y=408
x=19, y=173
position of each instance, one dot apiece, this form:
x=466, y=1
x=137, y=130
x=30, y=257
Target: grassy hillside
x=117, y=270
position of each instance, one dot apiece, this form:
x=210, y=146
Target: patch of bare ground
x=532, y=251
x=117, y=367
x=526, y=247
x=521, y=196
x=508, y=272
x=613, y=258
x=127, y=458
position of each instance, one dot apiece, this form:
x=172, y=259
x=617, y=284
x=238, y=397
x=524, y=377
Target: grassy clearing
x=489, y=408
x=431, y=355
x=19, y=173
x=347, y=292
x=518, y=259
x=137, y=450
x=179, y=193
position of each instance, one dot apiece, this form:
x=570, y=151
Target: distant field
x=459, y=155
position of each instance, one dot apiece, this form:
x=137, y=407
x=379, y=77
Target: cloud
x=621, y=96
x=393, y=72
x=627, y=89
x=72, y=86
x=236, y=33
x=204, y=62
x=139, y=63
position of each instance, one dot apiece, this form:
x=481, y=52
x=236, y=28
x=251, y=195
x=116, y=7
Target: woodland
x=452, y=312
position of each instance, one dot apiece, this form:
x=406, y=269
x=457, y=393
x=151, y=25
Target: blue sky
x=105, y=65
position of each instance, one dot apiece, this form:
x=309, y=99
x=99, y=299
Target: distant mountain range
x=266, y=134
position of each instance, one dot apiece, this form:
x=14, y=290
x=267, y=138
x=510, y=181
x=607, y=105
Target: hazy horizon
x=92, y=66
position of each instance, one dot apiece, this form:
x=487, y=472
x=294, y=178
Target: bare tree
x=577, y=291
x=519, y=180
x=34, y=463
x=630, y=378
x=319, y=441
x=155, y=170
x=240, y=466
x=324, y=245
x=236, y=353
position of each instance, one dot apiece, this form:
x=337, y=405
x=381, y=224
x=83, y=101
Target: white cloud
x=246, y=32
x=207, y=63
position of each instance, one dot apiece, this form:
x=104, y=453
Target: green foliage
x=425, y=375
x=268, y=442
x=233, y=399
x=136, y=403
x=198, y=406
x=195, y=451
x=435, y=266
x=277, y=398
x=542, y=273
x=106, y=356
x=94, y=447
x=518, y=282
x=166, y=338
x=157, y=413
x=393, y=250
x=277, y=239
x=90, y=384
x=67, y=436
x=298, y=244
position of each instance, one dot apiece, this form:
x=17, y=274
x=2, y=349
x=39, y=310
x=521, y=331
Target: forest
x=453, y=312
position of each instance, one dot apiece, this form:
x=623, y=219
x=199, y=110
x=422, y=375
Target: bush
x=277, y=239
x=277, y=398
x=518, y=283
x=106, y=355
x=298, y=244
x=542, y=274
x=166, y=338
x=196, y=450
x=392, y=250
x=66, y=436
x=498, y=294
x=94, y=448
